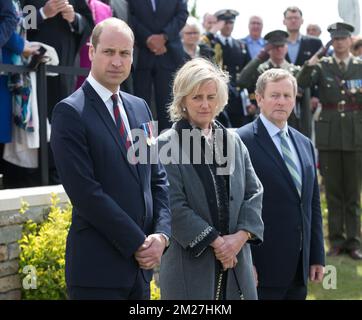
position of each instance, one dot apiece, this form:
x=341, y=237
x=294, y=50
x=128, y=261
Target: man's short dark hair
x=292, y=9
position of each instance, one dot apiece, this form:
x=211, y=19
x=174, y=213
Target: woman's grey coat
x=183, y=276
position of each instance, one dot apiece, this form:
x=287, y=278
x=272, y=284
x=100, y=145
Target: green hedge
x=43, y=246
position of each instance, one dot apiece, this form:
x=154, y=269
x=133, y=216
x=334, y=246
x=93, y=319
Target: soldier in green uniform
x=231, y=55
x=272, y=56
x=339, y=137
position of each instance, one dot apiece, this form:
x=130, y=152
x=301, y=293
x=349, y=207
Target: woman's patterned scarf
x=19, y=84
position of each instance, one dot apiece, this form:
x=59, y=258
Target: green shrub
x=43, y=246
x=155, y=291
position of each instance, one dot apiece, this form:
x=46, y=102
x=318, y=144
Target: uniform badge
x=354, y=85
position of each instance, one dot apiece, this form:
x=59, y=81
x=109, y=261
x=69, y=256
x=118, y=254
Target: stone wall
x=11, y=224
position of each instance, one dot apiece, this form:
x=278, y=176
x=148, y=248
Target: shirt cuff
x=167, y=238
x=41, y=11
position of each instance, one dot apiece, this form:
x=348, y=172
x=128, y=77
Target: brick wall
x=11, y=222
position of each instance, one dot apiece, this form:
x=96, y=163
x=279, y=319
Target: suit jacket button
x=231, y=198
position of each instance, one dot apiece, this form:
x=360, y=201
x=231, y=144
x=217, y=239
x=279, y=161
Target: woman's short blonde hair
x=188, y=80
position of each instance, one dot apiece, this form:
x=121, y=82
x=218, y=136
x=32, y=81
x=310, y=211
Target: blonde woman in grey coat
x=215, y=195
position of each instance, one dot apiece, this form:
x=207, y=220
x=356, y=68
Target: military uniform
x=231, y=57
x=339, y=141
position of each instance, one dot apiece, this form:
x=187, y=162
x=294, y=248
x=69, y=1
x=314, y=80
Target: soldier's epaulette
x=356, y=60
x=326, y=60
x=294, y=68
x=205, y=39
x=263, y=67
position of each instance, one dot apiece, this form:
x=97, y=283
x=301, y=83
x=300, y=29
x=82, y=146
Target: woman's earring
x=183, y=109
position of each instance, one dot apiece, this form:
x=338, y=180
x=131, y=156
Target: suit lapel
x=300, y=52
x=101, y=109
x=134, y=124
x=266, y=143
x=149, y=4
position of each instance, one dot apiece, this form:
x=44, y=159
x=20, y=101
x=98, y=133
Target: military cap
x=226, y=14
x=277, y=37
x=340, y=30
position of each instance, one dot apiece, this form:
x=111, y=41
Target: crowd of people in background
x=328, y=108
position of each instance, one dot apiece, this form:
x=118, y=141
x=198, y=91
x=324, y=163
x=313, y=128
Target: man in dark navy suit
x=284, y=161
x=300, y=49
x=121, y=218
x=157, y=25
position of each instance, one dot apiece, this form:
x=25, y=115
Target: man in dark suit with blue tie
x=284, y=161
x=300, y=49
x=157, y=25
x=121, y=218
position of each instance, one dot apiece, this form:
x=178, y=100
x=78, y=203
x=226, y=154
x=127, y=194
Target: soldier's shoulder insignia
x=217, y=46
x=205, y=39
x=356, y=60
x=293, y=68
x=263, y=67
x=326, y=60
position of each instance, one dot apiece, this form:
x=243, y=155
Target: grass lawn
x=348, y=271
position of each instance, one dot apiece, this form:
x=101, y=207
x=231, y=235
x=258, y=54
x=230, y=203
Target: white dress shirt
x=223, y=40
x=106, y=96
x=273, y=131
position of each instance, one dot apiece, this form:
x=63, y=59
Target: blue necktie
x=289, y=161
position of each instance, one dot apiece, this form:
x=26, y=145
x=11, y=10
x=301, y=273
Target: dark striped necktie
x=342, y=66
x=119, y=122
x=289, y=161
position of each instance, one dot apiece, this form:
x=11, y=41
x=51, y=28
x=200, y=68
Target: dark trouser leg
x=127, y=85
x=294, y=292
x=140, y=291
x=142, y=83
x=297, y=290
x=352, y=195
x=271, y=293
x=163, y=88
x=331, y=165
